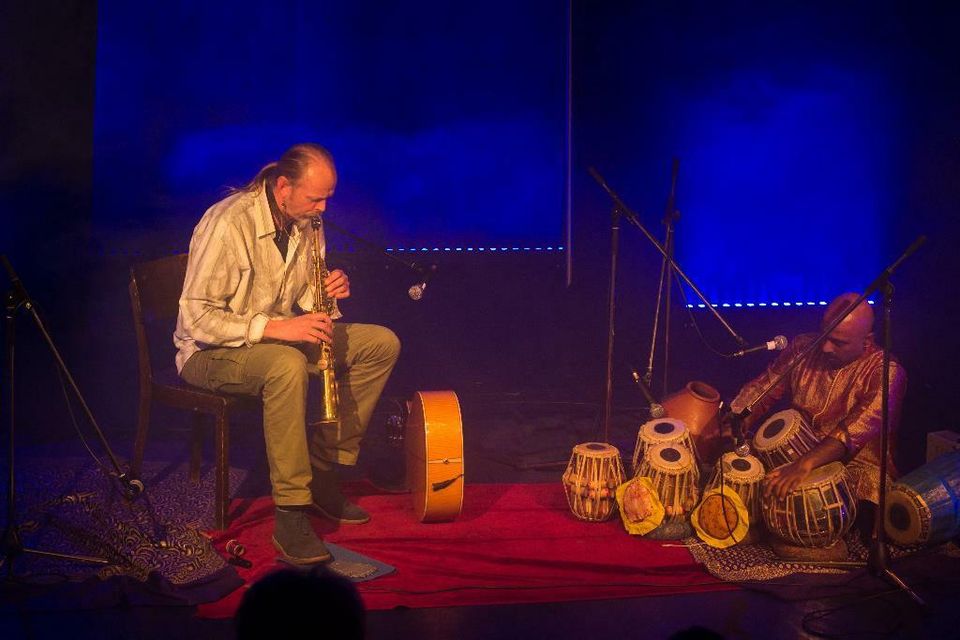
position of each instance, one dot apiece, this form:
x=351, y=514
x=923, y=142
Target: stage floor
x=510, y=439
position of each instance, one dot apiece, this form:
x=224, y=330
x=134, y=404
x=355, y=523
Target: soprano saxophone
x=323, y=303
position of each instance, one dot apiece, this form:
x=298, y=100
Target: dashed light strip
x=469, y=249
x=738, y=305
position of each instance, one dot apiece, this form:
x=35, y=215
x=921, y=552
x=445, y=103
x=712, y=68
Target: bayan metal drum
x=783, y=438
x=817, y=513
x=661, y=431
x=591, y=480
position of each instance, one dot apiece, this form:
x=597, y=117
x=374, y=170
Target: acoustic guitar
x=434, y=439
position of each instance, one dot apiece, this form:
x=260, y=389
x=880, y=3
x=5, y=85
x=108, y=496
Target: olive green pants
x=364, y=355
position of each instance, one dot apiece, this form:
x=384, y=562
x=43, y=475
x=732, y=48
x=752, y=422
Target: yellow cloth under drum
x=843, y=403
x=651, y=522
x=736, y=533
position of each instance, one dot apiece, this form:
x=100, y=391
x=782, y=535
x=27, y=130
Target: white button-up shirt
x=236, y=278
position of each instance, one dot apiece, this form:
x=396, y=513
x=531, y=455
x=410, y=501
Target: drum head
x=777, y=429
x=669, y=458
x=830, y=472
x=596, y=450
x=741, y=469
x=663, y=430
x=904, y=518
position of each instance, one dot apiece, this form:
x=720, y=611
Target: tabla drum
x=674, y=474
x=591, y=480
x=745, y=476
x=818, y=513
x=923, y=507
x=663, y=430
x=783, y=438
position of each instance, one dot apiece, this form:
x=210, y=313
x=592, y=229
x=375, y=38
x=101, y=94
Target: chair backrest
x=155, y=289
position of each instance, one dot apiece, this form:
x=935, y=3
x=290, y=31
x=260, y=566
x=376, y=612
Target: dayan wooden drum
x=591, y=480
x=783, y=438
x=661, y=431
x=817, y=513
x=923, y=507
x=674, y=474
x=745, y=476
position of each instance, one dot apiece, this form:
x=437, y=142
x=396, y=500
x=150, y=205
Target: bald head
x=849, y=339
x=306, y=178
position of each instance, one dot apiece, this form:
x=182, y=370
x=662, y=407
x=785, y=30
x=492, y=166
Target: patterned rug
x=154, y=546
x=758, y=568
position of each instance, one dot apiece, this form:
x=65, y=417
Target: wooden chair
x=155, y=288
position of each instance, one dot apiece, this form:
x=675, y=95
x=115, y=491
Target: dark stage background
x=815, y=142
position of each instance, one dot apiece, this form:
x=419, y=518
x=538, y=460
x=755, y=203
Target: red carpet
x=512, y=544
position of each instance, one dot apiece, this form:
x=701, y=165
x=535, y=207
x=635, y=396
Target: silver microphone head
x=743, y=449
x=657, y=411
x=780, y=343
x=416, y=291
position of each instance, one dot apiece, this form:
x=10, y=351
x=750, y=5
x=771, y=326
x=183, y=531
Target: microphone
x=777, y=344
x=656, y=409
x=741, y=446
x=416, y=291
x=236, y=550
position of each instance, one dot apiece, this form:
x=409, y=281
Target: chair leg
x=196, y=445
x=221, y=445
x=143, y=426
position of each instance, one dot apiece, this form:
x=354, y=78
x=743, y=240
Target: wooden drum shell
x=590, y=482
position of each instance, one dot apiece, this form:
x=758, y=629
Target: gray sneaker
x=295, y=539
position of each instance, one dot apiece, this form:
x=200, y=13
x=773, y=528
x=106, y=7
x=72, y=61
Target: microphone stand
x=11, y=545
x=615, y=216
x=878, y=561
x=634, y=220
x=621, y=210
x=874, y=286
x=669, y=218
x=413, y=266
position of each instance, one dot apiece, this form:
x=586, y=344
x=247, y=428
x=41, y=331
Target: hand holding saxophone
x=309, y=327
x=337, y=285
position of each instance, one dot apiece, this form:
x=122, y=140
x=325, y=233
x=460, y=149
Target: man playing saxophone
x=250, y=323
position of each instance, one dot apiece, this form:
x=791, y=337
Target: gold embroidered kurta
x=844, y=404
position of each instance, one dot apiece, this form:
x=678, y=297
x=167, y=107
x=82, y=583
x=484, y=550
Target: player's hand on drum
x=782, y=480
x=310, y=327
x=337, y=284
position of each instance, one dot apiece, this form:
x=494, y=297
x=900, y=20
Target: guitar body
x=434, y=440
